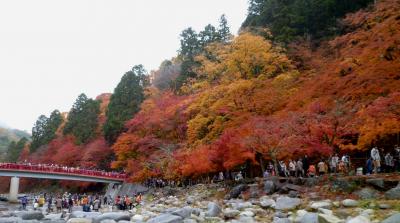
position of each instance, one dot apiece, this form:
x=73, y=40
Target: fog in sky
x=51, y=51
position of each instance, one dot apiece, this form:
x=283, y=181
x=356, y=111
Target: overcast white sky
x=51, y=51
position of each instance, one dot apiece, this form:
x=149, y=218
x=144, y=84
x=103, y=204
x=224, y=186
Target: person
x=334, y=163
x=239, y=176
x=221, y=176
x=24, y=202
x=41, y=201
x=266, y=173
x=59, y=204
x=139, y=198
x=389, y=164
x=376, y=159
x=271, y=169
x=283, y=169
x=49, y=203
x=129, y=202
x=292, y=168
x=346, y=161
x=321, y=168
x=105, y=200
x=311, y=171
x=341, y=167
x=369, y=167
x=35, y=204
x=70, y=204
x=396, y=158
x=299, y=169
x=96, y=204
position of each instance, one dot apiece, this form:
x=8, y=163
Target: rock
x=166, y=218
x=359, y=219
x=30, y=215
x=190, y=200
x=376, y=182
x=10, y=220
x=184, y=212
x=294, y=188
x=269, y=187
x=230, y=213
x=325, y=211
x=79, y=220
x=281, y=220
x=53, y=216
x=384, y=206
x=311, y=181
x=116, y=216
x=279, y=214
x=308, y=218
x=237, y=190
x=81, y=214
x=342, y=185
x=241, y=205
x=189, y=220
x=213, y=209
x=266, y=202
x=108, y=221
x=246, y=219
x=393, y=193
x=326, y=218
x=395, y=218
x=349, y=203
x=293, y=194
x=254, y=190
x=196, y=211
x=321, y=204
x=137, y=218
x=247, y=214
x=286, y=203
x=366, y=193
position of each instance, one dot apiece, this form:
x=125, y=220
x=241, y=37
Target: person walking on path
x=376, y=159
x=322, y=168
x=334, y=163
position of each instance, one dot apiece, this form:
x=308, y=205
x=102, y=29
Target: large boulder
x=82, y=214
x=378, y=183
x=10, y=220
x=269, y=187
x=30, y=215
x=395, y=218
x=308, y=217
x=116, y=216
x=286, y=203
x=366, y=193
x=393, y=193
x=166, y=218
x=213, y=209
x=237, y=190
x=359, y=219
x=184, y=212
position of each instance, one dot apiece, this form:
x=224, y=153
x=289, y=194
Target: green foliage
x=288, y=19
x=193, y=44
x=45, y=129
x=82, y=119
x=14, y=149
x=125, y=101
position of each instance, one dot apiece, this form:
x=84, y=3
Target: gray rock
x=10, y=220
x=237, y=190
x=184, y=212
x=108, y=221
x=359, y=219
x=321, y=204
x=342, y=185
x=286, y=203
x=247, y=214
x=230, y=213
x=281, y=220
x=309, y=217
x=53, y=216
x=166, y=218
x=246, y=219
x=293, y=194
x=349, y=203
x=326, y=218
x=79, y=220
x=395, y=218
x=81, y=214
x=279, y=214
x=137, y=218
x=30, y=215
x=213, y=209
x=384, y=206
x=116, y=216
x=366, y=193
x=269, y=187
x=190, y=200
x=266, y=202
x=393, y=193
x=376, y=182
x=189, y=220
x=196, y=211
x=254, y=190
x=311, y=181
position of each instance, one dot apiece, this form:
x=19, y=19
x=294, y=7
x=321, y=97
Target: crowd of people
x=87, y=202
x=54, y=168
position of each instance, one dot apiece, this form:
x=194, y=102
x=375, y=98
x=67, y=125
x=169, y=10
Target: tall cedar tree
x=82, y=119
x=125, y=101
x=45, y=129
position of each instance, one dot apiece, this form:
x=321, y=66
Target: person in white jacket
x=376, y=158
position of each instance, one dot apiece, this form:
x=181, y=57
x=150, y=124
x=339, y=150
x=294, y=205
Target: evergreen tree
x=82, y=119
x=15, y=149
x=223, y=30
x=125, y=101
x=45, y=129
x=208, y=35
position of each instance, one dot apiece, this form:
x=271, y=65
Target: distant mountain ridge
x=8, y=135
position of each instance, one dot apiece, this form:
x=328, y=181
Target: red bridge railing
x=45, y=168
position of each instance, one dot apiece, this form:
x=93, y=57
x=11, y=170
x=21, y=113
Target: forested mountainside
x=9, y=138
x=278, y=90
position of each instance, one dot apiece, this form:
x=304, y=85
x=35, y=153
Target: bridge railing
x=44, y=168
